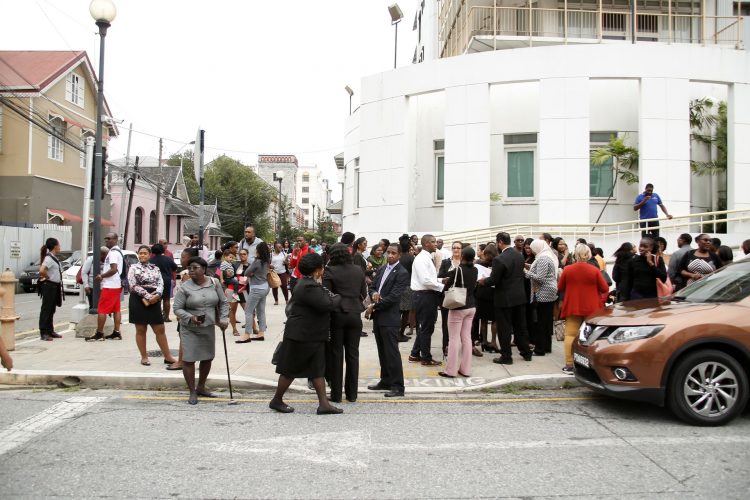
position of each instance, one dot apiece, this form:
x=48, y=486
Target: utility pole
x=158, y=196
x=124, y=178
x=131, y=188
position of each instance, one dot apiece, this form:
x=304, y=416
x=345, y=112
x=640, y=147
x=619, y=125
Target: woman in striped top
x=543, y=276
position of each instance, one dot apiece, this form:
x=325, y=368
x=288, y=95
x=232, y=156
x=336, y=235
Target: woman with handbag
x=144, y=307
x=543, y=294
x=256, y=293
x=279, y=261
x=446, y=266
x=460, y=318
x=200, y=305
x=643, y=271
x=50, y=288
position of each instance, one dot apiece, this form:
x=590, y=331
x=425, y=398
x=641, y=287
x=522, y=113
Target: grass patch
x=516, y=389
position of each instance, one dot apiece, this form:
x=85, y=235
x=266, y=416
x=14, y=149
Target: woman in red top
x=582, y=285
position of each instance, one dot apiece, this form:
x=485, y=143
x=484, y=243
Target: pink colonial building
x=176, y=217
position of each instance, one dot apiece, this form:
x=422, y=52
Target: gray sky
x=258, y=76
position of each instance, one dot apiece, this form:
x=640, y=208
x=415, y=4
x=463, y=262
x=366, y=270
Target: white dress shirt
x=423, y=273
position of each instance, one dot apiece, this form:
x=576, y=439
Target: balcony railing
x=505, y=27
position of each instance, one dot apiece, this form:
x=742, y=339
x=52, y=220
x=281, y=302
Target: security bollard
x=8, y=314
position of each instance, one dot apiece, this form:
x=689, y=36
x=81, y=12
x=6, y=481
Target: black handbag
x=534, y=315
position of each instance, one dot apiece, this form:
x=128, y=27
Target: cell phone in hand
x=201, y=318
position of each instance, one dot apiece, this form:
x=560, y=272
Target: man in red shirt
x=297, y=254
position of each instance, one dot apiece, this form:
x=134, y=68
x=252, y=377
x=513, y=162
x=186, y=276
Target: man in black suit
x=509, y=299
x=389, y=284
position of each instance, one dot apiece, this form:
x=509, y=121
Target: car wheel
x=707, y=388
x=28, y=289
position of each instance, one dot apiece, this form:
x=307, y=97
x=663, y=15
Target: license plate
x=34, y=281
x=581, y=360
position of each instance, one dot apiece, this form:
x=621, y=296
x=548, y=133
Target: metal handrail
x=602, y=229
x=460, y=22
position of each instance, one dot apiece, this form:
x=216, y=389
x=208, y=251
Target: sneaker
x=568, y=370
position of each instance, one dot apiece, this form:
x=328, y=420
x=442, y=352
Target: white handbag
x=455, y=296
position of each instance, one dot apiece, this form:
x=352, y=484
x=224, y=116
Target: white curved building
x=479, y=138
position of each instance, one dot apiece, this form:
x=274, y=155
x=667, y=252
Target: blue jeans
x=255, y=301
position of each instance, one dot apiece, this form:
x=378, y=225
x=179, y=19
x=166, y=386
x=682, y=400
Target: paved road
x=28, y=305
x=543, y=444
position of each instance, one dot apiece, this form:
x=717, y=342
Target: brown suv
x=690, y=351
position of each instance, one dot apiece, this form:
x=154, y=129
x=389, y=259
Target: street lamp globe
x=280, y=175
x=103, y=11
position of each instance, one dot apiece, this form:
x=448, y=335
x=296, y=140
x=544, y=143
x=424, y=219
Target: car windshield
x=730, y=284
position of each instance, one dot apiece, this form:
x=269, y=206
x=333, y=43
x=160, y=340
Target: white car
x=69, y=276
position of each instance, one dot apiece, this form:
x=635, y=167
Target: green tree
x=624, y=160
x=242, y=197
x=711, y=130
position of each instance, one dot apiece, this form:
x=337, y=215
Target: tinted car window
x=730, y=284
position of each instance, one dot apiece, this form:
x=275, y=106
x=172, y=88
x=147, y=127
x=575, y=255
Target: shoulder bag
x=455, y=296
x=663, y=288
x=274, y=281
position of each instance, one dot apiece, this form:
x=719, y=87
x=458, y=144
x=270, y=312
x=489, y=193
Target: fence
x=20, y=245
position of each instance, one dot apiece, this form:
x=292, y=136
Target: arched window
x=152, y=238
x=138, y=226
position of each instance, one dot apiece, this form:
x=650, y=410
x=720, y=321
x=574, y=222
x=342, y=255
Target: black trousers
x=50, y=293
x=426, y=305
x=511, y=322
x=444, y=324
x=648, y=228
x=346, y=329
x=391, y=369
x=542, y=329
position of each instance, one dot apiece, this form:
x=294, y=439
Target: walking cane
x=226, y=359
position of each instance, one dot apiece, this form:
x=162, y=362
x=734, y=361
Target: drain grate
x=158, y=353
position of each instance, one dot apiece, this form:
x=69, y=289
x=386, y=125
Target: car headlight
x=629, y=333
x=24, y=274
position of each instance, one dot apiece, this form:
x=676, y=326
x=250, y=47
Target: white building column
x=467, y=158
x=562, y=187
x=664, y=141
x=738, y=161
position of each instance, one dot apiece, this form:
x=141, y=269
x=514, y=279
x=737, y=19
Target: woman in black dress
x=643, y=271
x=302, y=353
x=144, y=307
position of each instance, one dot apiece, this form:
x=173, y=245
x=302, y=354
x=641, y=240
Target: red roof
x=35, y=70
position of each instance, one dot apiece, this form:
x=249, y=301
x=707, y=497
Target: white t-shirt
x=113, y=257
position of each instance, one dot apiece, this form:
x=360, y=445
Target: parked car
x=69, y=276
x=29, y=277
x=690, y=352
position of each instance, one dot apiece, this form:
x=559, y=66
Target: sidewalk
x=116, y=364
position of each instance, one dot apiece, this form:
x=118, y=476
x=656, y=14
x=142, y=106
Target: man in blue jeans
x=647, y=202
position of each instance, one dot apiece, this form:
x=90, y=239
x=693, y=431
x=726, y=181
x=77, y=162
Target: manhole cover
x=158, y=354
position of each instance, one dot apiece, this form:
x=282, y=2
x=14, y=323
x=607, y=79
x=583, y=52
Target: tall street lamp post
x=279, y=176
x=103, y=12
x=396, y=16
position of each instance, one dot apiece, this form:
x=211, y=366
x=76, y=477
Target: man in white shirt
x=250, y=243
x=111, y=288
x=427, y=288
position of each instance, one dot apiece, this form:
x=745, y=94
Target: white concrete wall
x=562, y=93
x=738, y=171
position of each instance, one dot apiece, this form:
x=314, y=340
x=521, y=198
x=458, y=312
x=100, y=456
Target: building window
x=85, y=134
x=305, y=201
x=74, y=89
x=439, y=147
x=305, y=189
x=138, y=226
x=520, y=174
x=166, y=227
x=305, y=177
x=54, y=139
x=152, y=237
x=601, y=179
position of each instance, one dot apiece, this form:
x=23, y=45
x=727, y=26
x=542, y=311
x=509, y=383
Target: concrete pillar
x=664, y=141
x=738, y=161
x=562, y=184
x=467, y=157
x=8, y=316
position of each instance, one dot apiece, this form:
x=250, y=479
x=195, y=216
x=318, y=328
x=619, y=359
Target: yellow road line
x=387, y=401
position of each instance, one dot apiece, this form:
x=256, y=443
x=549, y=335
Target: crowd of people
x=512, y=292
